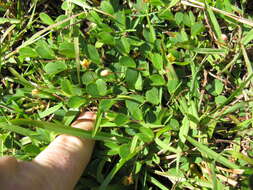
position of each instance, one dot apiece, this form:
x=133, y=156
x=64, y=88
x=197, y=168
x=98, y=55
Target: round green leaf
x=152, y=96
x=147, y=132
x=157, y=80
x=92, y=90
x=107, y=7
x=55, y=67
x=106, y=38
x=46, y=19
x=76, y=101
x=127, y=62
x=44, y=50
x=93, y=54
x=123, y=46
x=101, y=86
x=131, y=77
x=89, y=77
x=67, y=49
x=157, y=61
x=220, y=99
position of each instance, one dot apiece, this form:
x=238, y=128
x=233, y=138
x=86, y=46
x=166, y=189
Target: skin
x=59, y=166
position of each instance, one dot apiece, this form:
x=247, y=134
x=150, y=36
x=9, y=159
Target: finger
x=67, y=156
x=85, y=121
x=8, y=166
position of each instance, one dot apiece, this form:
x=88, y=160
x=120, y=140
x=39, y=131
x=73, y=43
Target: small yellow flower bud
x=105, y=73
x=35, y=92
x=224, y=37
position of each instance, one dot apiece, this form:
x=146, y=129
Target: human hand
x=59, y=166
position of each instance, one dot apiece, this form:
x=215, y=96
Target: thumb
x=8, y=166
x=67, y=156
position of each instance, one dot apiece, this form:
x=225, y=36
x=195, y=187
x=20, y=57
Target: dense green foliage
x=171, y=80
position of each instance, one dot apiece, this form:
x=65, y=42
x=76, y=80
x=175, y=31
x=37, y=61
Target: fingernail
x=87, y=115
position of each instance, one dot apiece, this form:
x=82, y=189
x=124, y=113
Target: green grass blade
x=210, y=51
x=77, y=54
x=60, y=129
x=165, y=147
x=248, y=63
x=184, y=129
x=241, y=156
x=235, y=107
x=211, y=154
x=247, y=38
x=213, y=21
x=50, y=110
x=19, y=130
x=214, y=177
x=98, y=122
x=157, y=183
x=173, y=3
x=21, y=79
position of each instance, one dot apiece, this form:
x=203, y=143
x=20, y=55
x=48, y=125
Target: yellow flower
x=171, y=58
x=85, y=63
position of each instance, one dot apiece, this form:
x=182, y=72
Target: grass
x=172, y=82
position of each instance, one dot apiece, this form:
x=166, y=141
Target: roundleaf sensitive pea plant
x=171, y=82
